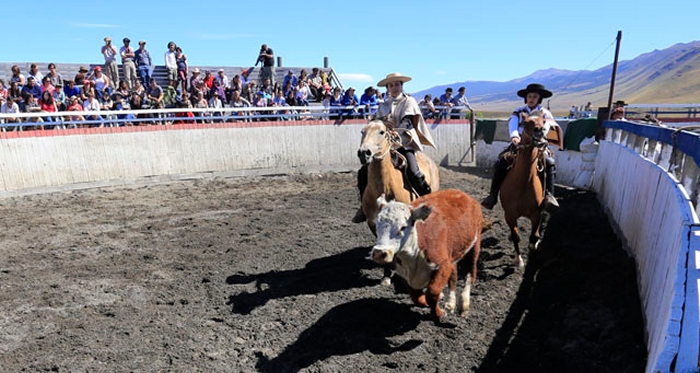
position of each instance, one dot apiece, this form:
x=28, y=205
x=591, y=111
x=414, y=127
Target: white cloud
x=363, y=78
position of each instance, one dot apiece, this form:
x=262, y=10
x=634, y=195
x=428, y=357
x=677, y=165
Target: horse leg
x=535, y=238
x=515, y=238
x=451, y=303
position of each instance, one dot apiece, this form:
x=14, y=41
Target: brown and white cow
x=426, y=239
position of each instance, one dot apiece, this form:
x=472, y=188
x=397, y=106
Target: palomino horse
x=522, y=191
x=382, y=177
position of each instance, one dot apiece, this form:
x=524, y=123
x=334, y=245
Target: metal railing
x=170, y=116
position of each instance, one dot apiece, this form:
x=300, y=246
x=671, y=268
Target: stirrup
x=550, y=201
x=359, y=216
x=489, y=202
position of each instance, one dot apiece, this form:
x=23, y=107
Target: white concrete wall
x=122, y=155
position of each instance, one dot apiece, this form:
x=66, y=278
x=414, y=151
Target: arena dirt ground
x=268, y=274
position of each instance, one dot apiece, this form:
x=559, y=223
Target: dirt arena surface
x=268, y=274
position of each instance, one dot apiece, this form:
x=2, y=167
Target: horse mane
x=388, y=122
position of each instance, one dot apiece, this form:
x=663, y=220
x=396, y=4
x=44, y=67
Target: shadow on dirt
x=328, y=274
x=354, y=327
x=572, y=309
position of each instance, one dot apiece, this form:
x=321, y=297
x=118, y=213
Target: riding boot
x=550, y=171
x=361, y=185
x=415, y=176
x=499, y=174
x=419, y=184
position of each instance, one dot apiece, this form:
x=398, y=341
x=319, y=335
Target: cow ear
x=421, y=212
x=381, y=201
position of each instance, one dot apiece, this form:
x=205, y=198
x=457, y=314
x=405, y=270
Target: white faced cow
x=426, y=239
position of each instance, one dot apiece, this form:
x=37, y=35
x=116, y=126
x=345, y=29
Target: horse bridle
x=392, y=138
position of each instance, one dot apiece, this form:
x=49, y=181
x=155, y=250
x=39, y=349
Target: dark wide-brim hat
x=620, y=103
x=535, y=87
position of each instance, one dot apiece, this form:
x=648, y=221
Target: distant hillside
x=671, y=75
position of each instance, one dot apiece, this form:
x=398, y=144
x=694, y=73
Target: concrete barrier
x=33, y=161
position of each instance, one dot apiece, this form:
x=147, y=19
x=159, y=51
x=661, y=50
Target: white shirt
x=12, y=109
x=170, y=60
x=514, y=128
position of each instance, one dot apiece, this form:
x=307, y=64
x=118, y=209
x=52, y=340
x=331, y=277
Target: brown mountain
x=670, y=75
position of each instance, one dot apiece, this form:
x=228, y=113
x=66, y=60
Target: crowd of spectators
x=445, y=106
x=102, y=89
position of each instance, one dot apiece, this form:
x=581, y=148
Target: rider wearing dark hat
x=532, y=96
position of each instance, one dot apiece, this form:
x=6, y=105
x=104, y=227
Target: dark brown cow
x=426, y=239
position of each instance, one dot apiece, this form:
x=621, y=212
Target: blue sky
x=434, y=42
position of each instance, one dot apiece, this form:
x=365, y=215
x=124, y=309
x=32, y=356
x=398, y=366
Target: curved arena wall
x=35, y=161
x=656, y=217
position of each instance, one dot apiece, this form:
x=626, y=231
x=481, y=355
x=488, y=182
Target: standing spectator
x=144, y=62
x=461, y=101
x=54, y=76
x=128, y=65
x=316, y=84
x=181, y=61
x=110, y=54
x=171, y=62
x=80, y=76
x=267, y=58
x=618, y=111
x=17, y=76
x=34, y=72
x=102, y=84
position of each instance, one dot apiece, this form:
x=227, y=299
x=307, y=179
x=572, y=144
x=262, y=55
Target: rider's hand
x=515, y=140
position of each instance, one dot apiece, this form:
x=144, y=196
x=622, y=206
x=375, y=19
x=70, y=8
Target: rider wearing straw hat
x=532, y=96
x=403, y=111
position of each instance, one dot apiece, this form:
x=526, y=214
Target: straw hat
x=393, y=77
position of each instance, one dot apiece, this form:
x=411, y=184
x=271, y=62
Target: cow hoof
x=534, y=246
x=386, y=281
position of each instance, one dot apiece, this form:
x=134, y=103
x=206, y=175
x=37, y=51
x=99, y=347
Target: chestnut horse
x=376, y=148
x=522, y=191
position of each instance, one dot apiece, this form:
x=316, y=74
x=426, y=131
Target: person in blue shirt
x=368, y=100
x=144, y=63
x=349, y=99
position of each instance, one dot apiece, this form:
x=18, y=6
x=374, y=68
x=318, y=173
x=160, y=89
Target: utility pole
x=614, y=72
x=604, y=112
